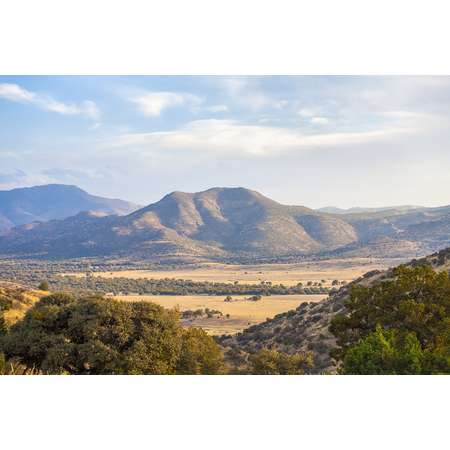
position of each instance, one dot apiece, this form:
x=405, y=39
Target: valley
x=236, y=315
x=323, y=271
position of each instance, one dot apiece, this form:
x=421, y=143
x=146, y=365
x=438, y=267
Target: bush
x=91, y=335
x=397, y=326
x=272, y=362
x=44, y=286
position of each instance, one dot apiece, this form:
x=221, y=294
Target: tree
x=407, y=316
x=44, y=286
x=272, y=362
x=92, y=335
x=199, y=354
x=385, y=352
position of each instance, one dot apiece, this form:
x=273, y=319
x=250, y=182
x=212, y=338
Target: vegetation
x=170, y=286
x=91, y=335
x=44, y=286
x=272, y=362
x=398, y=326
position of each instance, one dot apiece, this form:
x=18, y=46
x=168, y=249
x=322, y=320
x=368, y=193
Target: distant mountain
x=356, y=210
x=53, y=201
x=219, y=222
x=230, y=223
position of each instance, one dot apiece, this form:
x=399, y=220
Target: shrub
x=92, y=335
x=272, y=362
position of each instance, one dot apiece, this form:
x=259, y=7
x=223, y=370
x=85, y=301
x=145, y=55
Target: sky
x=306, y=140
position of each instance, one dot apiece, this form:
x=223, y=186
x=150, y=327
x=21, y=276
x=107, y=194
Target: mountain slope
x=55, y=201
x=229, y=223
x=219, y=222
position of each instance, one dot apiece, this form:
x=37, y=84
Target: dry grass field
x=243, y=313
x=287, y=274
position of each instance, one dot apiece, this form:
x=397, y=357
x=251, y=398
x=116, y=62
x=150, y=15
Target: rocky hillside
x=55, y=201
x=307, y=327
x=229, y=223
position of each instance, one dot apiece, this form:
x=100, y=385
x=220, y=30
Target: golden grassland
x=243, y=313
x=287, y=274
x=20, y=306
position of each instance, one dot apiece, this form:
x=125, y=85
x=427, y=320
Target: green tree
x=92, y=335
x=44, y=286
x=385, y=352
x=199, y=354
x=400, y=325
x=272, y=362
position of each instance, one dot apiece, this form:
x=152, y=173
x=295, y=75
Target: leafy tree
x=92, y=335
x=272, y=362
x=400, y=325
x=385, y=352
x=44, y=286
x=199, y=354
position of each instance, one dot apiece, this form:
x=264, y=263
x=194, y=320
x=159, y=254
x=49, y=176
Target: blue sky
x=312, y=140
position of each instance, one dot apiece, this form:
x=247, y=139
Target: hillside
x=219, y=222
x=229, y=223
x=55, y=201
x=307, y=327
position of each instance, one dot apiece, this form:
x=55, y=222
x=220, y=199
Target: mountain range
x=219, y=224
x=54, y=201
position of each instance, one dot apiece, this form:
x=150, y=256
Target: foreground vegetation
x=398, y=326
x=65, y=334
x=91, y=335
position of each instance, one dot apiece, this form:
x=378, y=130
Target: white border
x=227, y=37
x=224, y=37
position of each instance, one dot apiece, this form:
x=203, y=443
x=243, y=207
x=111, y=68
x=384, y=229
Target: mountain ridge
x=227, y=223
x=21, y=206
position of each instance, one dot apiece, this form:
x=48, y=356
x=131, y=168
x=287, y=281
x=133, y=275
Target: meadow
x=242, y=312
x=288, y=274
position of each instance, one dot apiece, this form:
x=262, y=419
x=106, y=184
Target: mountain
x=230, y=223
x=219, y=222
x=307, y=327
x=398, y=209
x=53, y=201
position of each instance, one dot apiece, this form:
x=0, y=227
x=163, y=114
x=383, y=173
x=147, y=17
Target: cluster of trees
x=198, y=313
x=253, y=298
x=171, y=286
x=397, y=326
x=63, y=334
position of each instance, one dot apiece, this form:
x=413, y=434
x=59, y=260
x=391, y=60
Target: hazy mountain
x=230, y=223
x=219, y=222
x=54, y=201
x=356, y=210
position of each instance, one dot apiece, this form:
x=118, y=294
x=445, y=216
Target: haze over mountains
x=55, y=201
x=225, y=223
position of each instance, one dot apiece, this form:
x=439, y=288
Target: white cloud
x=319, y=120
x=16, y=93
x=246, y=93
x=216, y=108
x=229, y=136
x=154, y=103
x=306, y=112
